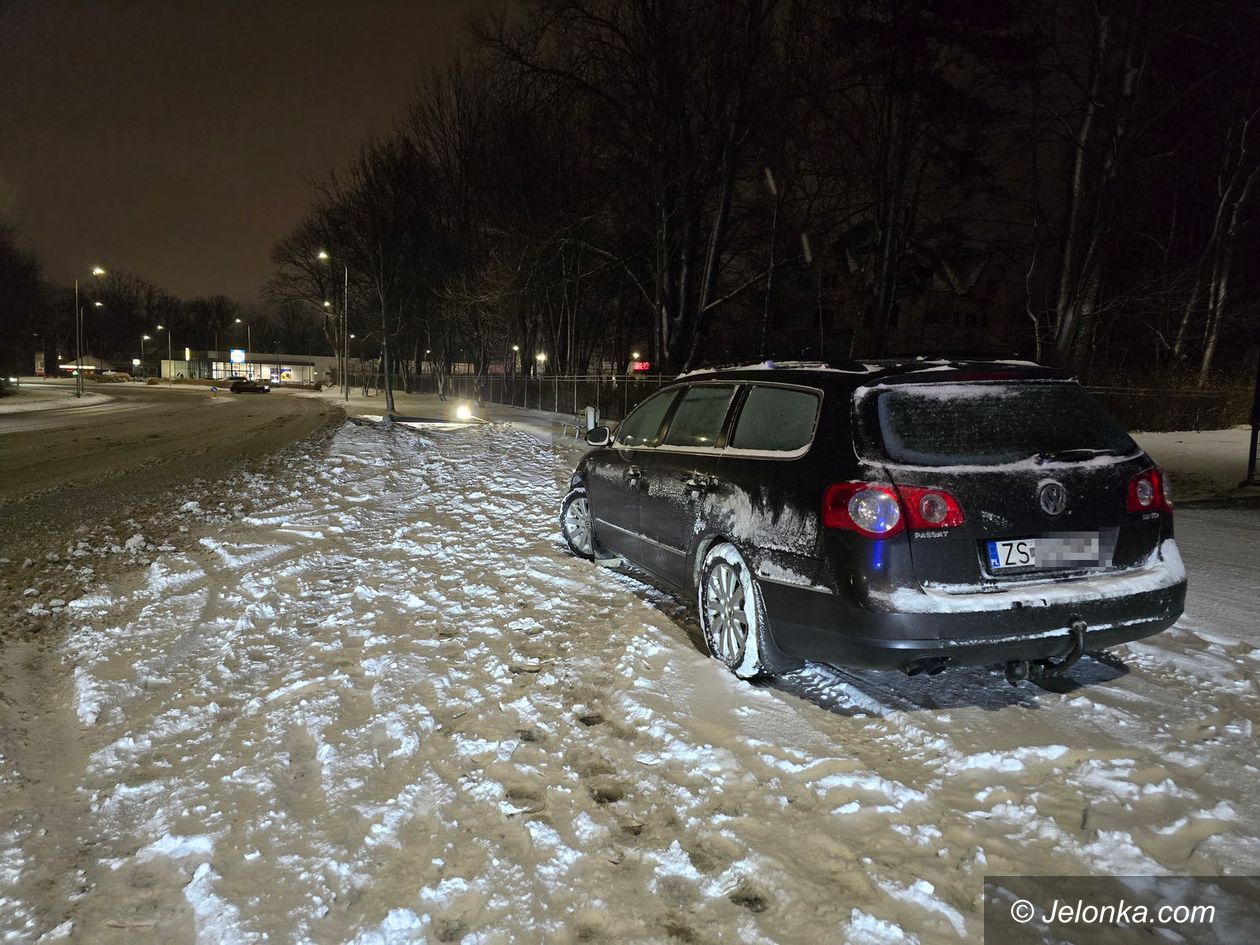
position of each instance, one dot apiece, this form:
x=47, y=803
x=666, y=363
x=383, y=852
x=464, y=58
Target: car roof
x=871, y=372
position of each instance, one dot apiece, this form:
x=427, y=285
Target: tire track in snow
x=390, y=707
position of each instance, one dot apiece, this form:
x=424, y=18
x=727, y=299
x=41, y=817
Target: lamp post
x=541, y=358
x=83, y=329
x=143, y=339
x=249, y=342
x=78, y=334
x=345, y=324
x=170, y=364
x=516, y=353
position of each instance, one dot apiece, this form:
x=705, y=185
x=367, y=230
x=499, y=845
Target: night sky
x=175, y=139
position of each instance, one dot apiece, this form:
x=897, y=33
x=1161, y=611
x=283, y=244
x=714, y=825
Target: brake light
x=868, y=508
x=1149, y=492
x=930, y=508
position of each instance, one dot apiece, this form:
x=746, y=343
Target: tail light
x=1149, y=491
x=867, y=508
x=930, y=508
x=875, y=510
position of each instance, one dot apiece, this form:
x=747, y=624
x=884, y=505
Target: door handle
x=634, y=473
x=698, y=484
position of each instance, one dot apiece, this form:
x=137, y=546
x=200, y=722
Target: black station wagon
x=909, y=515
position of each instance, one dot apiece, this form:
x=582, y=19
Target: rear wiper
x=1068, y=456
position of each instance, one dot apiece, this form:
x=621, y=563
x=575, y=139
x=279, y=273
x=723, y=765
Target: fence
x=1156, y=409
x=613, y=396
x=1147, y=409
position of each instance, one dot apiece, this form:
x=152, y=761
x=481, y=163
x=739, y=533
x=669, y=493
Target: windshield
x=985, y=424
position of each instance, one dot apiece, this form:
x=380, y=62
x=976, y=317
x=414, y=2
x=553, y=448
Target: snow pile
x=390, y=708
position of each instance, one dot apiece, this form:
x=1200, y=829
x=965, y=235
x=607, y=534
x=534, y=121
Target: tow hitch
x=1019, y=670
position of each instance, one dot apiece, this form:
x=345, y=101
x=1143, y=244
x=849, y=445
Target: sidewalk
x=34, y=396
x=544, y=424
x=1202, y=464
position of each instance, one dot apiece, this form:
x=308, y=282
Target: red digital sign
x=638, y=366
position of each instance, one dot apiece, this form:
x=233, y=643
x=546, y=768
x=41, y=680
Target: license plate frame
x=1070, y=550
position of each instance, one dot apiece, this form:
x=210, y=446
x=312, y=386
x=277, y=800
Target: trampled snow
x=390, y=708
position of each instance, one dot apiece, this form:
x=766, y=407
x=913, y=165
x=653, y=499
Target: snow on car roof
x=780, y=366
x=921, y=364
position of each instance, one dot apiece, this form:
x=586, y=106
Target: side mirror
x=598, y=436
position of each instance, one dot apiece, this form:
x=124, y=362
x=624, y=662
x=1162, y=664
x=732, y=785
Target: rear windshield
x=985, y=424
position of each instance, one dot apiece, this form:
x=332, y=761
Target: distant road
x=71, y=462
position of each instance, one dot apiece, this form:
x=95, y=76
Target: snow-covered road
x=390, y=709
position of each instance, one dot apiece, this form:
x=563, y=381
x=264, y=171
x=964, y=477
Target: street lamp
x=170, y=364
x=143, y=339
x=249, y=343
x=344, y=354
x=78, y=333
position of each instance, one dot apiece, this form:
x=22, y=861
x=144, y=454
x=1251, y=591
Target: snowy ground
x=389, y=708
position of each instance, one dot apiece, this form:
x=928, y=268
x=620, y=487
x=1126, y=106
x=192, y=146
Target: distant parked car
x=906, y=515
x=243, y=385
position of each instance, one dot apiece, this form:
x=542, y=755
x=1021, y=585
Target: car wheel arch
x=701, y=547
x=773, y=659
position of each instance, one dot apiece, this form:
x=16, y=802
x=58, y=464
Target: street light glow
x=327, y=304
x=98, y=271
x=540, y=356
x=145, y=337
x=323, y=254
x=98, y=305
x=516, y=347
x=635, y=355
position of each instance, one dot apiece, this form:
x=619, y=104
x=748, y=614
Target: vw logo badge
x=1053, y=498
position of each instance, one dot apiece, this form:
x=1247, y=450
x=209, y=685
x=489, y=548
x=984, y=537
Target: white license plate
x=1060, y=551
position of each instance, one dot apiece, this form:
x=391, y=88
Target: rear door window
x=986, y=424
x=700, y=415
x=644, y=423
x=776, y=419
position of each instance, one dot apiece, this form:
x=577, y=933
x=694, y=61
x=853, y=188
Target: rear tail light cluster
x=1150, y=491
x=876, y=510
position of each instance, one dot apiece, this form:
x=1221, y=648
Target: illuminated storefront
x=220, y=365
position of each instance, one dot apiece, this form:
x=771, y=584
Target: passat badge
x=1053, y=498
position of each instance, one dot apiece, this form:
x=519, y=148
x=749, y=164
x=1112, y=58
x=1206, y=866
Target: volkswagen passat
x=909, y=515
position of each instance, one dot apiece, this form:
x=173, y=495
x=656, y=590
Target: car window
x=776, y=419
x=989, y=424
x=644, y=423
x=698, y=420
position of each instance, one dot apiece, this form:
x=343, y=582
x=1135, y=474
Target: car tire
x=732, y=613
x=577, y=526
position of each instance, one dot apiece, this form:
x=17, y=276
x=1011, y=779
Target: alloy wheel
x=577, y=525
x=725, y=607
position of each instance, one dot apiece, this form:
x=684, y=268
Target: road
x=125, y=452
x=383, y=705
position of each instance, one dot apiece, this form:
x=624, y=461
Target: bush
x=153, y=380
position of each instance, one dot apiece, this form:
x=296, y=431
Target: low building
x=273, y=368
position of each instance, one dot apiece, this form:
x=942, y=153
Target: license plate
x=1046, y=552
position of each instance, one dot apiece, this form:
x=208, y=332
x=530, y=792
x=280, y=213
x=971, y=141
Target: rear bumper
x=816, y=626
